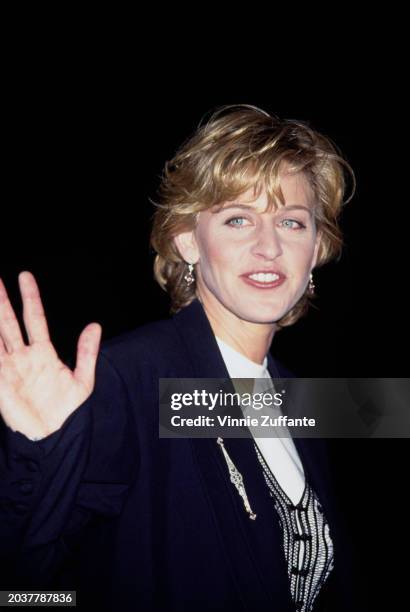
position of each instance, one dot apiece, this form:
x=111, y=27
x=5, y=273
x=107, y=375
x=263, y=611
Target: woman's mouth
x=264, y=280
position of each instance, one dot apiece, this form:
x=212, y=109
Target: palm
x=37, y=390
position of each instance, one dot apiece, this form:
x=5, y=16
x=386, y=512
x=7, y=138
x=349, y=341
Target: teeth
x=264, y=278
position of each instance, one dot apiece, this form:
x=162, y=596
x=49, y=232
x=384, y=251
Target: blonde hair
x=239, y=147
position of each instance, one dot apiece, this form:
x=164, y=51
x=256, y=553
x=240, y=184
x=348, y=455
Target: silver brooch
x=237, y=479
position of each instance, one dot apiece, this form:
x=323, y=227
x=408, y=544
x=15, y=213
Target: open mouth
x=264, y=280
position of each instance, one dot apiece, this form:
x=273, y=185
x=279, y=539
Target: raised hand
x=38, y=391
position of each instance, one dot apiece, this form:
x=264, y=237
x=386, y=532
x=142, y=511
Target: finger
x=10, y=331
x=87, y=352
x=33, y=312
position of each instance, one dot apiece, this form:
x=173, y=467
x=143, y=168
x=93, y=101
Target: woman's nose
x=267, y=244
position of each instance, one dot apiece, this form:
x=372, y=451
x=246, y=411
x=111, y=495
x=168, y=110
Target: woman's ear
x=316, y=249
x=187, y=246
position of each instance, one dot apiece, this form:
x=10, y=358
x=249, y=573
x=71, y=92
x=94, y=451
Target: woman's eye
x=292, y=224
x=236, y=221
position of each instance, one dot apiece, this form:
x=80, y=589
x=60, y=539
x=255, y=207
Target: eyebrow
x=247, y=207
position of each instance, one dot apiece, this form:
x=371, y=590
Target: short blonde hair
x=239, y=147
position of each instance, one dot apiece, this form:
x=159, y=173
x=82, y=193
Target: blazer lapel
x=253, y=547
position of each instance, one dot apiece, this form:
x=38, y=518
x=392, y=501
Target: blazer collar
x=200, y=341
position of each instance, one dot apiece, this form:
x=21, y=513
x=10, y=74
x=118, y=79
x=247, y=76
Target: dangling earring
x=311, y=286
x=189, y=277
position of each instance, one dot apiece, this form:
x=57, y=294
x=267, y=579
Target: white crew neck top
x=279, y=453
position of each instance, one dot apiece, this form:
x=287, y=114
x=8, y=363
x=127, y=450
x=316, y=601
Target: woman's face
x=256, y=264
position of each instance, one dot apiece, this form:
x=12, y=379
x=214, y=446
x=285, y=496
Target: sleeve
x=51, y=489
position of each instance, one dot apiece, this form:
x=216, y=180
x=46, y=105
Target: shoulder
x=153, y=343
x=284, y=370
x=277, y=368
x=142, y=336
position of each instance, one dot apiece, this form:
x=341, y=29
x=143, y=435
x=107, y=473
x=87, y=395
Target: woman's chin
x=262, y=314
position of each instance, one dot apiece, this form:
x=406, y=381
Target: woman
x=93, y=500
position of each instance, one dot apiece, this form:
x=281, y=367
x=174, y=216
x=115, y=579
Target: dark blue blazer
x=135, y=522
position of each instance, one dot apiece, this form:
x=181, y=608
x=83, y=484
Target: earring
x=311, y=286
x=189, y=277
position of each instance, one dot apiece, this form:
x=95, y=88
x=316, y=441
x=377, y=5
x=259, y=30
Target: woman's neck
x=250, y=339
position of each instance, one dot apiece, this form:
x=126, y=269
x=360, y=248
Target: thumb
x=87, y=352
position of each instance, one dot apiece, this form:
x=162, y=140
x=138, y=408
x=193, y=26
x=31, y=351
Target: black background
x=83, y=151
